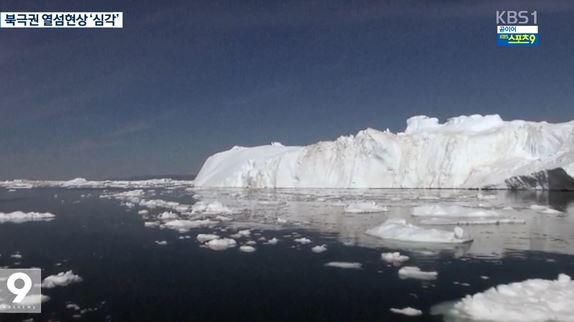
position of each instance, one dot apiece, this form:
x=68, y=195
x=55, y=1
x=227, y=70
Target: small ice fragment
x=247, y=249
x=303, y=240
x=408, y=311
x=345, y=265
x=394, y=257
x=319, y=249
x=221, y=244
x=161, y=242
x=365, y=207
x=202, y=238
x=416, y=273
x=273, y=241
x=61, y=279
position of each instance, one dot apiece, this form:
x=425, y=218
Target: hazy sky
x=184, y=79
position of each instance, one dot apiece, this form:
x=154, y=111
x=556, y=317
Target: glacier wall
x=465, y=152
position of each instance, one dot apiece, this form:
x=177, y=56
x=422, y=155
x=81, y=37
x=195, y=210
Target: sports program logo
x=517, y=28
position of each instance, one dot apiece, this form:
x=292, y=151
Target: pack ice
x=465, y=152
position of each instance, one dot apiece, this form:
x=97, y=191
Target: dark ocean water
x=128, y=277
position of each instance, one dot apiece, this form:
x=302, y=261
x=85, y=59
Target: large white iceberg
x=465, y=152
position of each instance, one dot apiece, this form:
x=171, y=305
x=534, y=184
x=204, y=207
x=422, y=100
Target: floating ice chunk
x=221, y=244
x=365, y=207
x=167, y=215
x=345, y=265
x=319, y=249
x=394, y=257
x=545, y=210
x=451, y=211
x=143, y=212
x=184, y=226
x=528, y=301
x=481, y=196
x=242, y=233
x=399, y=229
x=467, y=222
x=161, y=242
x=247, y=249
x=73, y=306
x=19, y=217
x=416, y=273
x=202, y=238
x=151, y=223
x=16, y=255
x=273, y=241
x=409, y=311
x=61, y=279
x=303, y=240
x=210, y=208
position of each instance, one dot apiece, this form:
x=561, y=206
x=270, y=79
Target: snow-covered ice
x=465, y=152
x=221, y=244
x=184, y=226
x=18, y=217
x=273, y=241
x=365, y=207
x=345, y=265
x=439, y=210
x=302, y=240
x=202, y=238
x=534, y=300
x=400, y=229
x=319, y=249
x=416, y=273
x=210, y=208
x=61, y=279
x=408, y=311
x=394, y=257
x=247, y=249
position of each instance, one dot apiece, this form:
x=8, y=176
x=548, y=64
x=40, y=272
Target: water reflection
x=548, y=226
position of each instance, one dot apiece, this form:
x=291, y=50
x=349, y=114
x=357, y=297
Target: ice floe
x=184, y=226
x=401, y=230
x=202, y=238
x=302, y=240
x=319, y=249
x=61, y=279
x=534, y=300
x=414, y=272
x=365, y=207
x=408, y=311
x=19, y=217
x=221, y=244
x=345, y=265
x=247, y=249
x=394, y=257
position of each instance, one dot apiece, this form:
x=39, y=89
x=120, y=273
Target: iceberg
x=465, y=152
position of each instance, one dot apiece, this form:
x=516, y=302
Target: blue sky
x=185, y=79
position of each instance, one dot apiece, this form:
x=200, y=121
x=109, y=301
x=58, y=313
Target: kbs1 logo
x=517, y=28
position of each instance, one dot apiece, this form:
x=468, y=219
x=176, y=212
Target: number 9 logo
x=19, y=292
